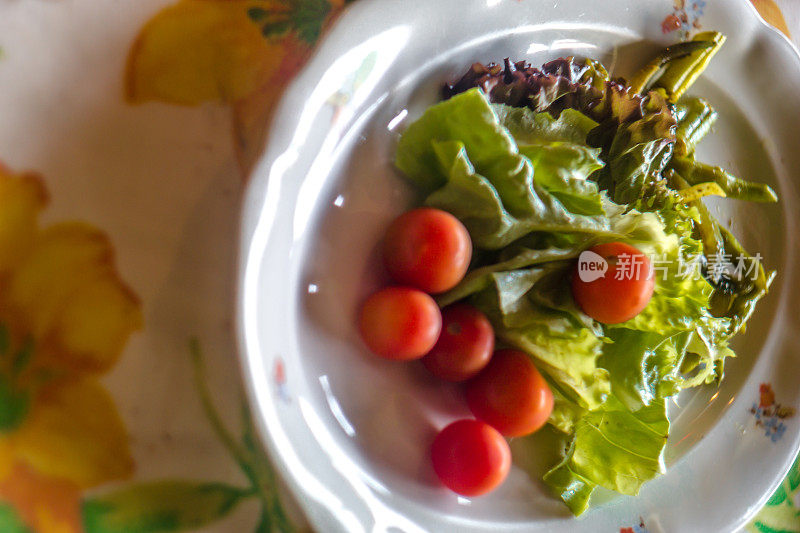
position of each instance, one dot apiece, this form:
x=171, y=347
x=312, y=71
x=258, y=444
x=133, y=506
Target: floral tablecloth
x=126, y=133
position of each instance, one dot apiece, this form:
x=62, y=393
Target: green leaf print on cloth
x=10, y=522
x=181, y=505
x=781, y=514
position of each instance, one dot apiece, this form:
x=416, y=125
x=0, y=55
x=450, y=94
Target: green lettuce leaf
x=557, y=148
x=461, y=155
x=566, y=413
x=573, y=488
x=521, y=257
x=643, y=366
x=565, y=353
x=530, y=127
x=570, y=361
x=562, y=169
x=613, y=448
x=467, y=119
x=472, y=198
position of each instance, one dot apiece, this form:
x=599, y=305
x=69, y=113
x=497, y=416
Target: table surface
x=127, y=129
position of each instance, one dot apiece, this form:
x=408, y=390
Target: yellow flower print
x=46, y=504
x=200, y=50
x=65, y=317
x=50, y=523
x=239, y=52
x=74, y=432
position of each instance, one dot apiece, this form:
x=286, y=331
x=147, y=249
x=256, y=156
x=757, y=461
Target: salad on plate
x=563, y=266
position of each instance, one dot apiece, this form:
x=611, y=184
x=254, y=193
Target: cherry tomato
x=622, y=292
x=400, y=323
x=471, y=458
x=510, y=394
x=465, y=344
x=428, y=249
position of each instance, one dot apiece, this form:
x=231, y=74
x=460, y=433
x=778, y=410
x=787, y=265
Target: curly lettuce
x=471, y=166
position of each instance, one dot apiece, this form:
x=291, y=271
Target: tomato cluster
x=428, y=251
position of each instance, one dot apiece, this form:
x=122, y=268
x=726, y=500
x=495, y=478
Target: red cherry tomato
x=465, y=344
x=428, y=249
x=510, y=394
x=622, y=292
x=400, y=323
x=471, y=458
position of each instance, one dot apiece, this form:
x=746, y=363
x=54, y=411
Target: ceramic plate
x=350, y=433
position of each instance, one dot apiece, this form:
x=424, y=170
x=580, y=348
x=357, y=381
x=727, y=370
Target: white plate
x=350, y=433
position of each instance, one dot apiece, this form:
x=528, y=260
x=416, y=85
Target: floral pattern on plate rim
x=279, y=377
x=638, y=528
x=685, y=17
x=770, y=415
